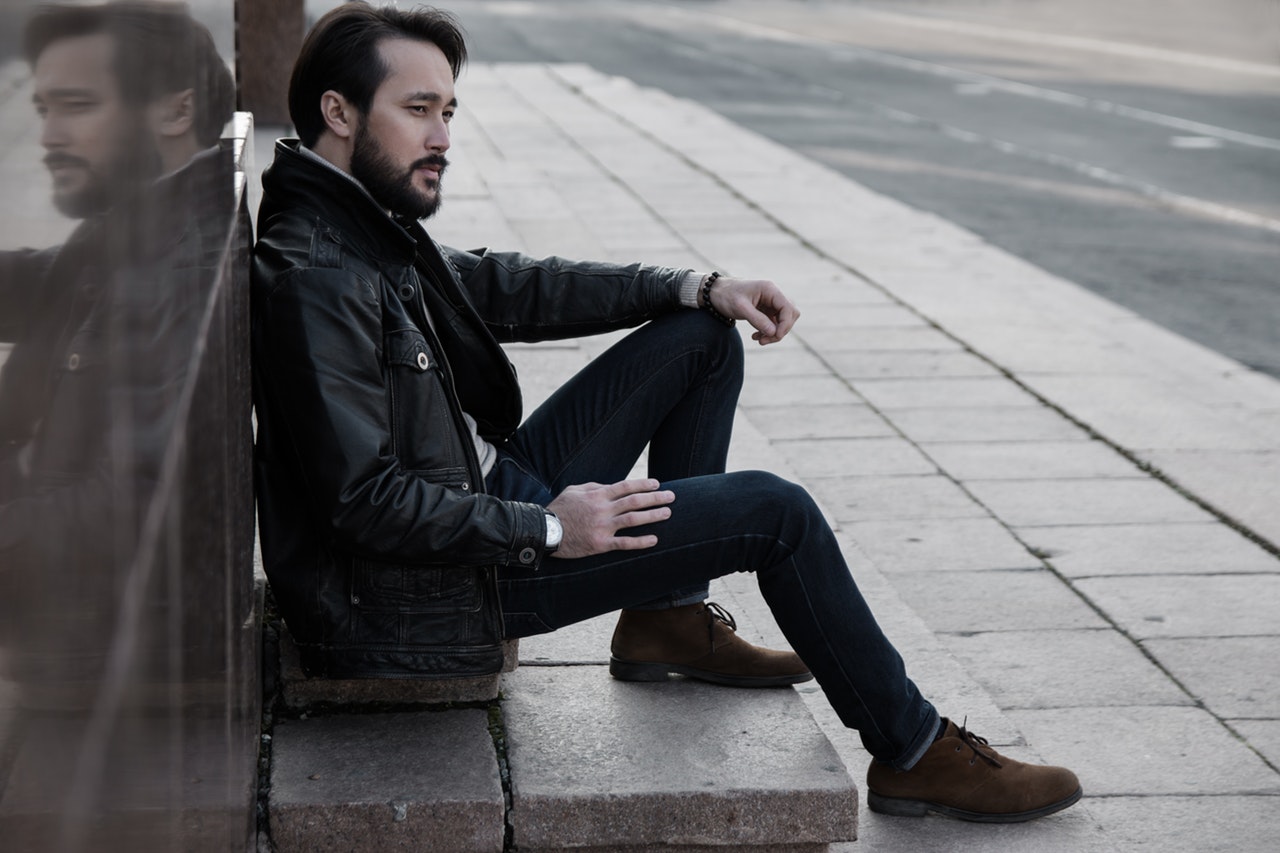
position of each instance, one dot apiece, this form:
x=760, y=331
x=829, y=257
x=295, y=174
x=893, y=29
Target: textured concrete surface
x=599, y=763
x=417, y=781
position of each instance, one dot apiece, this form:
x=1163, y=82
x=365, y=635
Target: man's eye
x=448, y=115
x=419, y=109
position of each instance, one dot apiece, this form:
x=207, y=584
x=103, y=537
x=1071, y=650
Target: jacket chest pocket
x=423, y=432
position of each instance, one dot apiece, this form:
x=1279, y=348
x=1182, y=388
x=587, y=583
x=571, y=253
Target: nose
x=52, y=131
x=437, y=141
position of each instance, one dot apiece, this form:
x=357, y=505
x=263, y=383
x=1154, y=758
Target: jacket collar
x=295, y=181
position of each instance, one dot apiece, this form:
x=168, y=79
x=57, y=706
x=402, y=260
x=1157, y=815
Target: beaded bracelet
x=706, y=300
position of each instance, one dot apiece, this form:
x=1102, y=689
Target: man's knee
x=722, y=343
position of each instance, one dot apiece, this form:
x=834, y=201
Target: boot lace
x=981, y=749
x=716, y=613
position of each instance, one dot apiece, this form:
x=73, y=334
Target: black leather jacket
x=90, y=402
x=379, y=541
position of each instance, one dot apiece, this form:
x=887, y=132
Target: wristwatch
x=555, y=532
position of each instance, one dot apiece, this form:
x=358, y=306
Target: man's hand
x=759, y=303
x=592, y=514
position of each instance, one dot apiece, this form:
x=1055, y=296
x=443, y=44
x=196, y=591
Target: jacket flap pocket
x=398, y=588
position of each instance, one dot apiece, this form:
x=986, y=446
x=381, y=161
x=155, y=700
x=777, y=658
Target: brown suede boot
x=961, y=776
x=699, y=641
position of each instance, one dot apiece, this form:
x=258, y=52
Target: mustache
x=435, y=161
x=57, y=159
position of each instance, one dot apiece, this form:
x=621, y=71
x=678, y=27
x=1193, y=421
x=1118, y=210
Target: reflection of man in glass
x=132, y=99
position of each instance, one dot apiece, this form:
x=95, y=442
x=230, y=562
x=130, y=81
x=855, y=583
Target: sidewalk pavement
x=1063, y=515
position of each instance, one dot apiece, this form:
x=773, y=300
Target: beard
x=391, y=186
x=136, y=161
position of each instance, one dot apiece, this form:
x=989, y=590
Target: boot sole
x=631, y=671
x=919, y=808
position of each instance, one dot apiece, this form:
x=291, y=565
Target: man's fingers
x=643, y=517
x=623, y=488
x=642, y=500
x=633, y=543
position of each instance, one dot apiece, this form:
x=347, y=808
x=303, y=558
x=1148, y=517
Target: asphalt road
x=1131, y=148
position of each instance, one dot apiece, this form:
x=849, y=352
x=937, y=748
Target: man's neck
x=335, y=150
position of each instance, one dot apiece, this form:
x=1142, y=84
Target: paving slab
x=1244, y=485
x=895, y=339
x=1033, y=503
x=420, y=781
x=1232, y=676
x=987, y=424
x=854, y=457
x=1023, y=460
x=1142, y=549
x=583, y=643
x=1191, y=606
x=862, y=364
x=959, y=602
x=1209, y=824
x=1148, y=751
x=785, y=359
x=890, y=498
x=889, y=395
x=1262, y=735
x=599, y=764
x=940, y=545
x=1139, y=412
x=798, y=389
x=851, y=420
x=1063, y=669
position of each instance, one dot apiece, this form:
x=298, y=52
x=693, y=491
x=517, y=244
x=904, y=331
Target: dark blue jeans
x=673, y=384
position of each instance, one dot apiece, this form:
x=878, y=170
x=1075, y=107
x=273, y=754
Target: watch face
x=555, y=531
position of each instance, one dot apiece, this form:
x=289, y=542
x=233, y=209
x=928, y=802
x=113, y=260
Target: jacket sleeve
x=319, y=351
x=527, y=299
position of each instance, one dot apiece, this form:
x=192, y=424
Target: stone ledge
x=598, y=764
x=366, y=782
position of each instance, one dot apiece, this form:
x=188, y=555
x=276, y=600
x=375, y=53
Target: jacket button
x=422, y=361
x=406, y=291
x=466, y=487
x=528, y=555
x=73, y=361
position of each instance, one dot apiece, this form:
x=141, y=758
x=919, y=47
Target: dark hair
x=159, y=50
x=341, y=53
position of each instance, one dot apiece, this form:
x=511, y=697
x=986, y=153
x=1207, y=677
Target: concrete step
x=377, y=782
x=594, y=764
x=603, y=765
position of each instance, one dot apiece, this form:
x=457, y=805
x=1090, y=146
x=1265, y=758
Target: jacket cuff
x=530, y=545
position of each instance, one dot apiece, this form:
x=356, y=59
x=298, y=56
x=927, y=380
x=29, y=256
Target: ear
x=174, y=115
x=339, y=115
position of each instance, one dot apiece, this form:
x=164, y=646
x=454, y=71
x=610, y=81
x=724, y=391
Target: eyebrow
x=63, y=93
x=432, y=97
